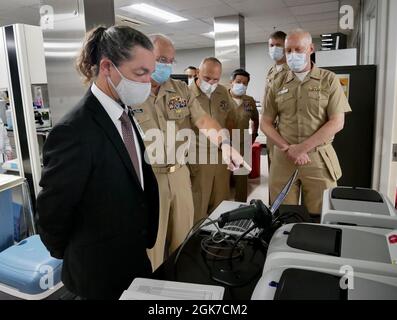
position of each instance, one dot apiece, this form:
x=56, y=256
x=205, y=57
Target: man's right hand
x=302, y=160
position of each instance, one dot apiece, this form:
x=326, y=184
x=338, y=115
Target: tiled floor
x=258, y=189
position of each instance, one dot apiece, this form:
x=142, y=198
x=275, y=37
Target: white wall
x=258, y=63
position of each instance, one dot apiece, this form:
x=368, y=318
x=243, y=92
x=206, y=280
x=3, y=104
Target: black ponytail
x=115, y=43
x=88, y=60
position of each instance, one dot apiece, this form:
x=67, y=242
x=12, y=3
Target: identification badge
x=139, y=128
x=392, y=244
x=314, y=89
x=284, y=91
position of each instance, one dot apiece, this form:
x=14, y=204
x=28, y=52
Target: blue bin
x=28, y=267
x=6, y=220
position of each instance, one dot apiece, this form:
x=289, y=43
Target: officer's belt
x=167, y=170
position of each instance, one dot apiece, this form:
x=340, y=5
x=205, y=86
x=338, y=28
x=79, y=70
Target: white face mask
x=208, y=88
x=297, y=62
x=239, y=89
x=276, y=53
x=131, y=93
x=191, y=81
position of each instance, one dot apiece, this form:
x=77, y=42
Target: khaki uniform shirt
x=272, y=75
x=220, y=107
x=304, y=107
x=174, y=104
x=245, y=111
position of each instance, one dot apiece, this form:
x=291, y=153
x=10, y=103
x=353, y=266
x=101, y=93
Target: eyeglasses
x=166, y=61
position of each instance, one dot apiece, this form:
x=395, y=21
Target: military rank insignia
x=247, y=107
x=314, y=89
x=178, y=104
x=224, y=106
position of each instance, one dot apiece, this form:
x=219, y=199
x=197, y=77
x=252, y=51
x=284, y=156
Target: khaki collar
x=244, y=97
x=284, y=67
x=197, y=91
x=315, y=73
x=165, y=88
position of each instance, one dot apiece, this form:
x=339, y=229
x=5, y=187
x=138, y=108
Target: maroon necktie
x=129, y=141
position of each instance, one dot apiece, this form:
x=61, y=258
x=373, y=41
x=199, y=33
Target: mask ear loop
x=111, y=86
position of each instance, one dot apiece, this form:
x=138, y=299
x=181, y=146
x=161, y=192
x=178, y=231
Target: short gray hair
x=210, y=59
x=307, y=36
x=159, y=36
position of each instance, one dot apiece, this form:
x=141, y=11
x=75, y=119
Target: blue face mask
x=297, y=62
x=239, y=89
x=162, y=73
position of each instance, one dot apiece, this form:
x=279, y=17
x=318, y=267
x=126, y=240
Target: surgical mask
x=276, y=53
x=190, y=81
x=162, y=73
x=208, y=88
x=131, y=93
x=297, y=62
x=239, y=89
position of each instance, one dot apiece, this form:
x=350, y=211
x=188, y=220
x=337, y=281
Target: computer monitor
x=181, y=77
x=283, y=194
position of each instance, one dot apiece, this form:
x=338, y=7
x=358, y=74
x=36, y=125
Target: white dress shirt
x=302, y=75
x=115, y=111
x=279, y=67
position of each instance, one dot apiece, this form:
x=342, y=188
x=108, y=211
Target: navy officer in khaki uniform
x=280, y=68
x=245, y=114
x=211, y=179
x=170, y=109
x=311, y=106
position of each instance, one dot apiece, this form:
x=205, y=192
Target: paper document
x=148, y=289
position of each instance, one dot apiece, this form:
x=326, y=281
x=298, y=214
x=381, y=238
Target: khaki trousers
x=321, y=174
x=176, y=213
x=211, y=186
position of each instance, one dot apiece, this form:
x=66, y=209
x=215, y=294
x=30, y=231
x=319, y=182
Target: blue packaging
x=29, y=268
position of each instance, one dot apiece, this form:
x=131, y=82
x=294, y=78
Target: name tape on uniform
x=284, y=91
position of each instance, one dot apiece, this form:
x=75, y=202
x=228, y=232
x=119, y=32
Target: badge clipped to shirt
x=138, y=125
x=137, y=111
x=178, y=104
x=284, y=91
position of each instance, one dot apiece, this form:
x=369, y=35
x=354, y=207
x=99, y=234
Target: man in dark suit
x=98, y=209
